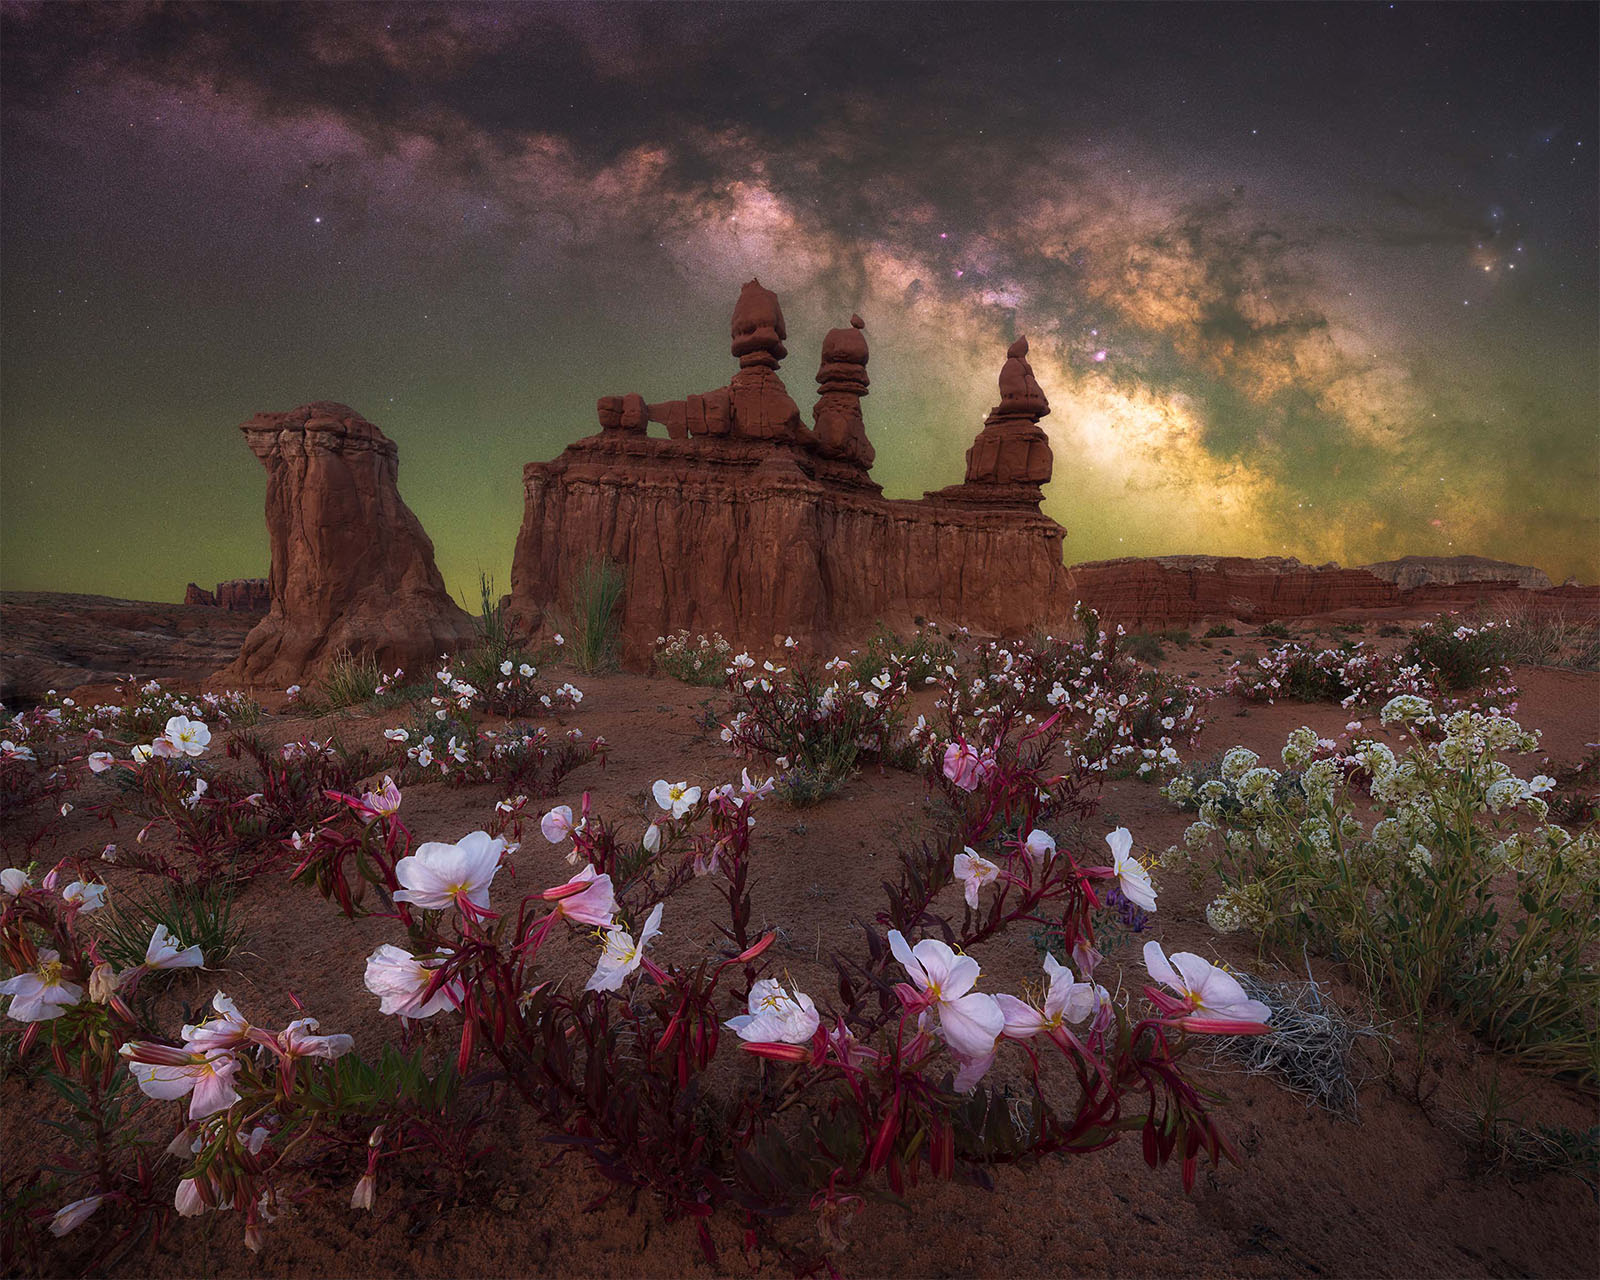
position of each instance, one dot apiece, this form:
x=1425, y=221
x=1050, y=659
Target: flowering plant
x=1458, y=894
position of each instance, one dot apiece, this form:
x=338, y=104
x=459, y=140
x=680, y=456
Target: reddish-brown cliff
x=352, y=569
x=755, y=541
x=1178, y=590
x=237, y=595
x=1166, y=591
x=747, y=522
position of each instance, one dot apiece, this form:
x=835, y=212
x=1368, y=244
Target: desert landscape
x=1128, y=804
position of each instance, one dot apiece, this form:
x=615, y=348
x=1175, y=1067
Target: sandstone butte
x=352, y=569
x=748, y=521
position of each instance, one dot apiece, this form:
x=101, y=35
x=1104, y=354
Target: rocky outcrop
x=54, y=640
x=745, y=521
x=1178, y=590
x=842, y=380
x=1164, y=591
x=352, y=569
x=1010, y=461
x=755, y=541
x=237, y=595
x=1410, y=572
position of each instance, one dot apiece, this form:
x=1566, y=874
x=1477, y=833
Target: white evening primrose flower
x=676, y=797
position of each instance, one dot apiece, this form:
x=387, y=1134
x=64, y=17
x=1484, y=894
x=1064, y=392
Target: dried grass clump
x=1311, y=1047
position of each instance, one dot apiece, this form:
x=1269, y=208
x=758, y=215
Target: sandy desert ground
x=1398, y=1190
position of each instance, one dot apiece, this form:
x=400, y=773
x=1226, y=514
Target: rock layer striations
x=746, y=521
x=352, y=569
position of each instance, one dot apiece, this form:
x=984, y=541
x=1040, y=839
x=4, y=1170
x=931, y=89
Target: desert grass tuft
x=593, y=625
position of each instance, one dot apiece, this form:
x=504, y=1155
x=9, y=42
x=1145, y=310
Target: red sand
x=1396, y=1194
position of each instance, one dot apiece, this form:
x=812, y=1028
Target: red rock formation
x=237, y=595
x=352, y=568
x=1179, y=590
x=747, y=523
x=1011, y=459
x=842, y=380
x=758, y=540
x=755, y=405
x=244, y=595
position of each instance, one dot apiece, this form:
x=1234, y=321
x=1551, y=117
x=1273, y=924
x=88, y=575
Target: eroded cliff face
x=1167, y=591
x=760, y=540
x=748, y=522
x=352, y=568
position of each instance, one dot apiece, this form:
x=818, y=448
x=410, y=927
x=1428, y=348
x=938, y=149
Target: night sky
x=1298, y=280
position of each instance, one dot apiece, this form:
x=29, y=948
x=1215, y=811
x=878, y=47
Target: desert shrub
x=34, y=766
x=921, y=659
x=1218, y=631
x=1124, y=718
x=696, y=660
x=1353, y=675
x=1463, y=657
x=1145, y=646
x=1535, y=637
x=1311, y=1049
x=622, y=1070
x=266, y=1108
x=228, y=824
x=815, y=723
x=1273, y=631
x=593, y=627
x=151, y=707
x=1444, y=902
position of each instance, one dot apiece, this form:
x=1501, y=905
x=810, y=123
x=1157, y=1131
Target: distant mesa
x=352, y=569
x=747, y=521
x=1410, y=572
x=237, y=595
x=1178, y=590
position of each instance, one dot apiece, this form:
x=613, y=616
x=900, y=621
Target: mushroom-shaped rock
x=352, y=568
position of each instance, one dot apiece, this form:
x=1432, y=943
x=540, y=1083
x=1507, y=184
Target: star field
x=1299, y=279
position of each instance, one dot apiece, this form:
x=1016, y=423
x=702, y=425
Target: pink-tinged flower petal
x=901, y=950
x=438, y=875
x=592, y=902
x=213, y=1086
x=971, y=1024
x=399, y=980
x=972, y=1070
x=70, y=1216
x=1156, y=962
x=1022, y=1020
x=160, y=1082
x=557, y=824
x=188, y=1200
x=297, y=1041
x=224, y=1031
x=167, y=952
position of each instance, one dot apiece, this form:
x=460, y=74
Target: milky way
x=1297, y=280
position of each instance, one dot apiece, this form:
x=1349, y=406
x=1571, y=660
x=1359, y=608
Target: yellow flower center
x=50, y=971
